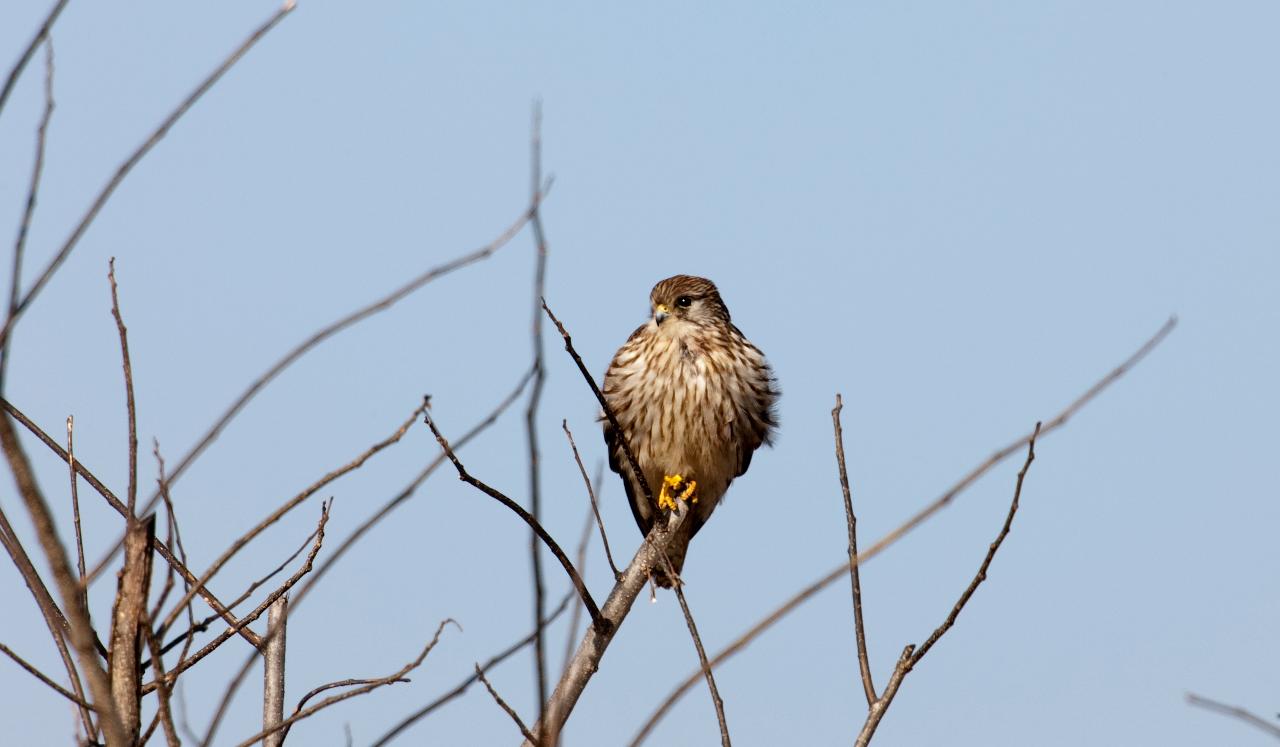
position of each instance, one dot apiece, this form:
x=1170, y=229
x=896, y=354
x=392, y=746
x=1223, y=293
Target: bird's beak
x=660, y=312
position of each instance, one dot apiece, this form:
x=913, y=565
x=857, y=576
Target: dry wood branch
x=128, y=392
x=911, y=655
x=41, y=34
x=273, y=657
x=185, y=664
x=119, y=507
x=702, y=657
x=535, y=398
x=524, y=730
x=591, y=493
x=33, y=188
x=462, y=687
x=69, y=588
x=860, y=632
x=359, y=315
x=53, y=618
x=128, y=620
x=164, y=710
x=580, y=560
x=43, y=677
x=409, y=489
x=542, y=533
x=288, y=506
x=372, y=684
x=807, y=592
x=75, y=505
x=608, y=411
x=129, y=163
x=586, y=661
x=1235, y=712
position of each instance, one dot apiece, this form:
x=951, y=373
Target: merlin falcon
x=694, y=399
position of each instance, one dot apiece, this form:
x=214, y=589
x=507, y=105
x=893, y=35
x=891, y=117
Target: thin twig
x=807, y=592
x=164, y=709
x=82, y=636
x=860, y=631
x=535, y=398
x=524, y=730
x=1235, y=712
x=129, y=163
x=911, y=655
x=75, y=505
x=591, y=493
x=604, y=405
x=41, y=33
x=119, y=507
x=408, y=491
x=373, y=684
x=128, y=390
x=462, y=687
x=225, y=702
x=185, y=664
x=288, y=506
x=53, y=618
x=43, y=677
x=579, y=561
x=542, y=533
x=33, y=192
x=702, y=655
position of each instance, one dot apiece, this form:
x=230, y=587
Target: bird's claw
x=675, y=487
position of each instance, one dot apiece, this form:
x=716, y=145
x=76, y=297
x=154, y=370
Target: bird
x=694, y=399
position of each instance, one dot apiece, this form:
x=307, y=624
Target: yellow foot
x=676, y=487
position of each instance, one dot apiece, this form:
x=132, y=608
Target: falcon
x=694, y=400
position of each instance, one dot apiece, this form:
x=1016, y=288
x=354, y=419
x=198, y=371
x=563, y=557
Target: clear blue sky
x=958, y=215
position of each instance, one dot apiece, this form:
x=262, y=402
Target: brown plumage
x=694, y=398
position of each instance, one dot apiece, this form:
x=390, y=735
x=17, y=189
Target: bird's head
x=687, y=300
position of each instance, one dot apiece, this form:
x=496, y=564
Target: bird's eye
x=684, y=302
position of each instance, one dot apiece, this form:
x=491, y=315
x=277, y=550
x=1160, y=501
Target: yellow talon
x=673, y=483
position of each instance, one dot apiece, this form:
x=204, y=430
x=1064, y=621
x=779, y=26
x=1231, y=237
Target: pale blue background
x=958, y=215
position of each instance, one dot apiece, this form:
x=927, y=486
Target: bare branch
x=702, y=655
x=860, y=631
x=409, y=489
x=911, y=655
x=44, y=678
x=119, y=507
x=128, y=620
x=394, y=677
x=41, y=34
x=608, y=411
x=591, y=493
x=1235, y=712
x=75, y=505
x=359, y=315
x=128, y=390
x=493, y=661
x=524, y=730
x=69, y=589
x=164, y=710
x=535, y=398
x=586, y=661
x=806, y=593
x=273, y=656
x=129, y=163
x=288, y=506
x=466, y=477
x=53, y=618
x=33, y=187
x=185, y=664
